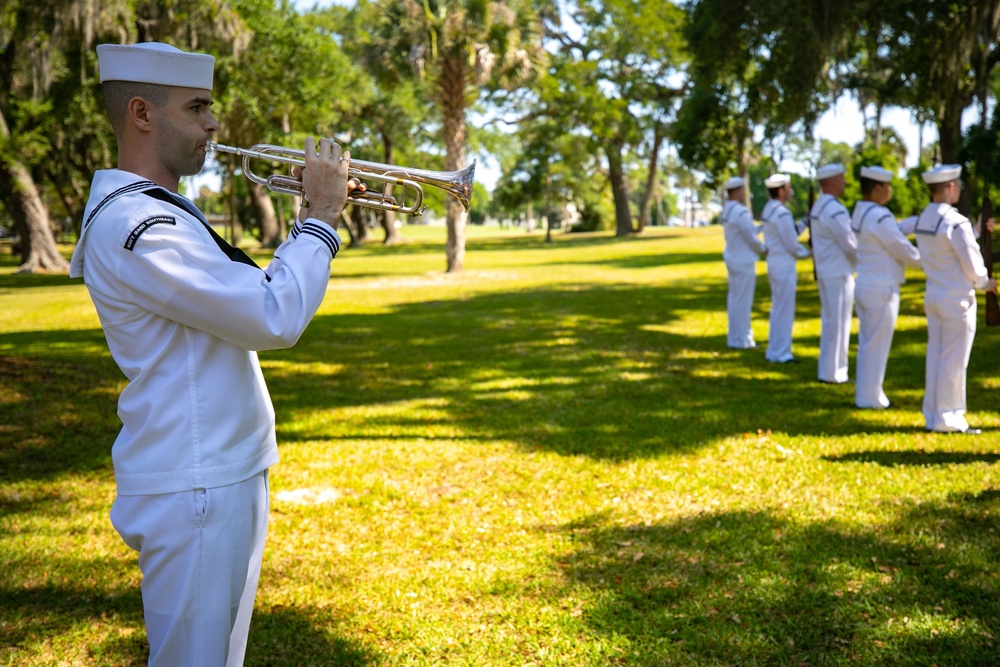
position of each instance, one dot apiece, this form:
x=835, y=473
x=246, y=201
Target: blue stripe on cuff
x=329, y=237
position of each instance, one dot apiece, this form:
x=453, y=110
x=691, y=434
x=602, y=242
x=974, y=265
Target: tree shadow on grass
x=604, y=372
x=279, y=637
x=895, y=459
x=751, y=588
x=290, y=637
x=608, y=372
x=59, y=413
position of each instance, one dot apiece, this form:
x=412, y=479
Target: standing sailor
x=781, y=234
x=835, y=254
x=184, y=314
x=883, y=255
x=743, y=249
x=955, y=270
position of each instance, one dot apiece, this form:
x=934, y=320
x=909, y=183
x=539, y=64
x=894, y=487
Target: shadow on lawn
x=58, y=412
x=895, y=459
x=602, y=371
x=752, y=588
x=597, y=372
x=279, y=637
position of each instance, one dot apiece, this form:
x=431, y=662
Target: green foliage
x=754, y=65
x=909, y=193
x=612, y=82
x=480, y=206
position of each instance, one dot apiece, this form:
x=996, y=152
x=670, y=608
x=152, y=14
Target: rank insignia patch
x=144, y=225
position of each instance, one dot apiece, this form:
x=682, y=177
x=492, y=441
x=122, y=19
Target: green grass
x=549, y=459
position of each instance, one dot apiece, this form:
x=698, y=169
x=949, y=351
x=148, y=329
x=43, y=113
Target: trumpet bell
x=408, y=199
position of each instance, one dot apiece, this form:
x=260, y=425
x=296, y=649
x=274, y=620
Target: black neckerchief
x=233, y=253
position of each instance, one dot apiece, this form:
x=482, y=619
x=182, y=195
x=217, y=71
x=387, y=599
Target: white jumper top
x=183, y=322
x=781, y=234
x=948, y=251
x=742, y=244
x=883, y=249
x=834, y=245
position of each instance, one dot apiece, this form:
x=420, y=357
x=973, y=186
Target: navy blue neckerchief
x=235, y=254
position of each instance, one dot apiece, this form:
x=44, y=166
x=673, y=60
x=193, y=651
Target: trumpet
x=409, y=201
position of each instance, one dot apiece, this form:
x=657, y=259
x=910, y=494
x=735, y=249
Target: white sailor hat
x=942, y=173
x=776, y=181
x=733, y=183
x=829, y=171
x=154, y=62
x=876, y=173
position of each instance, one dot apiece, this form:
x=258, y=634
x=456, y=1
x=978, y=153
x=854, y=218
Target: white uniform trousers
x=784, y=281
x=951, y=328
x=200, y=553
x=739, y=303
x=878, y=310
x=836, y=303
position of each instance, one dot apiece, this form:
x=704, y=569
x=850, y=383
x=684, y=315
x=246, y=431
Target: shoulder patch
x=146, y=224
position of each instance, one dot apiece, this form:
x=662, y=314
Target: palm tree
x=458, y=48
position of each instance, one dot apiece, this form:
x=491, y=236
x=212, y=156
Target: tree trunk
x=388, y=218
x=359, y=216
x=263, y=206
x=345, y=220
x=452, y=82
x=619, y=190
x=235, y=228
x=950, y=129
x=878, y=125
x=654, y=159
x=39, y=252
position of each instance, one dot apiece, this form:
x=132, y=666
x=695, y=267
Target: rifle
x=809, y=226
x=986, y=248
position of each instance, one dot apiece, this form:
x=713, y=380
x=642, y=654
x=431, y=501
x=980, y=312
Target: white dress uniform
x=781, y=234
x=184, y=313
x=743, y=250
x=183, y=322
x=883, y=254
x=835, y=254
x=955, y=269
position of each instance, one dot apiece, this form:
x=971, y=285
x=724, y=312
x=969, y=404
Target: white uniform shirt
x=883, y=249
x=183, y=323
x=742, y=244
x=834, y=244
x=781, y=234
x=948, y=250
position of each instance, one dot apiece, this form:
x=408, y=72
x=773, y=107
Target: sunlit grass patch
x=550, y=459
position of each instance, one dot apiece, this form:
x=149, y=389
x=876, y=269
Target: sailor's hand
x=324, y=180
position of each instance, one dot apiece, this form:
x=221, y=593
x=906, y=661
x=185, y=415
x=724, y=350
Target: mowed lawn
x=549, y=459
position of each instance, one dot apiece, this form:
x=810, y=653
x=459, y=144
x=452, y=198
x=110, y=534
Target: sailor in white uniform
x=184, y=314
x=883, y=255
x=743, y=250
x=781, y=234
x=955, y=270
x=834, y=250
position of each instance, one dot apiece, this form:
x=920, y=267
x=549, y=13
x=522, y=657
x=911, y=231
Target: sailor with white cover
x=883, y=255
x=781, y=234
x=184, y=314
x=835, y=254
x=955, y=270
x=743, y=250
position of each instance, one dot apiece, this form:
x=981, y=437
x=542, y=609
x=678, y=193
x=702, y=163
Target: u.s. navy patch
x=144, y=225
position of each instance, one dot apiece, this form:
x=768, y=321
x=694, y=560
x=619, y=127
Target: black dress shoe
x=793, y=360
